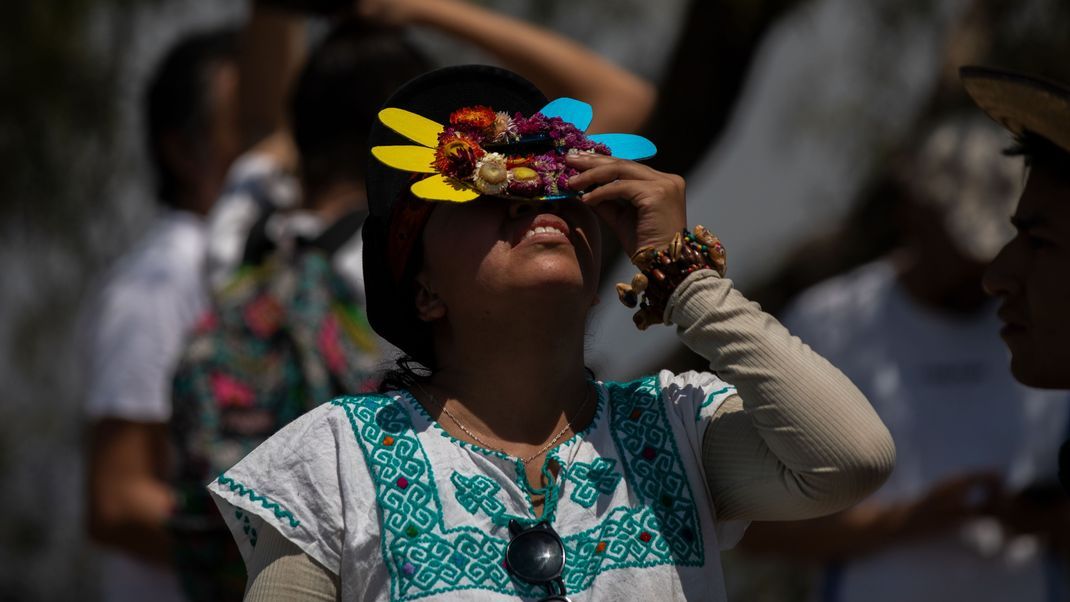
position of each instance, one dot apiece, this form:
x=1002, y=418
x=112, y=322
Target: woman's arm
x=129, y=500
x=557, y=65
x=280, y=572
x=272, y=50
x=800, y=440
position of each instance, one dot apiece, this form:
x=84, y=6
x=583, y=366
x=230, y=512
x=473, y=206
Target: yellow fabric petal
x=414, y=127
x=438, y=188
x=418, y=159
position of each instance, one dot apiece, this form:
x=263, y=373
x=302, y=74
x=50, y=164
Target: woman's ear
x=429, y=306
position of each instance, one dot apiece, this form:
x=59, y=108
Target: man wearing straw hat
x=1031, y=275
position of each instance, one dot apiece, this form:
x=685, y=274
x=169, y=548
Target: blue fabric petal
x=627, y=146
x=576, y=112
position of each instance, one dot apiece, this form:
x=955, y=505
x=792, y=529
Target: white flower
x=491, y=174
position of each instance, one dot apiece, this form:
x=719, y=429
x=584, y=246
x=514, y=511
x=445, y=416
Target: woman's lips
x=545, y=227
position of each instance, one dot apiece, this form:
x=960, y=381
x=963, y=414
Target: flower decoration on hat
x=486, y=152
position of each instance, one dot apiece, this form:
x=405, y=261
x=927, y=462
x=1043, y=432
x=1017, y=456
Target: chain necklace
x=477, y=439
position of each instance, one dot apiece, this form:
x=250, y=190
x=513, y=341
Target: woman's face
x=491, y=253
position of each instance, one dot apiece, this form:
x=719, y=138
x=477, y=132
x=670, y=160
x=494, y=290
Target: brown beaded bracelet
x=662, y=270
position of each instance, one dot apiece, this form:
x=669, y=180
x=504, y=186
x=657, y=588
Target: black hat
x=434, y=95
x=1021, y=103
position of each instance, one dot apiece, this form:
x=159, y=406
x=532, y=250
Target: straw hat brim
x=1021, y=103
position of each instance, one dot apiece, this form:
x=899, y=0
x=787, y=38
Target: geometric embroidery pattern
x=591, y=479
x=424, y=557
x=477, y=492
x=666, y=517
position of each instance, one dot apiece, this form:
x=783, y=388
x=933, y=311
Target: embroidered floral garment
x=377, y=492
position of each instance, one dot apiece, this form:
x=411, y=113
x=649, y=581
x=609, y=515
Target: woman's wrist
x=661, y=271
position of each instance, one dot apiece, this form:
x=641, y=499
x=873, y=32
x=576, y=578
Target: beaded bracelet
x=662, y=270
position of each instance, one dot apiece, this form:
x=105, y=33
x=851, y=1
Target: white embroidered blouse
x=381, y=495
x=373, y=490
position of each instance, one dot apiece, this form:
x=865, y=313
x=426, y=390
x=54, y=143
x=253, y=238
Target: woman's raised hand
x=642, y=205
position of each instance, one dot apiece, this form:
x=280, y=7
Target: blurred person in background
x=976, y=450
x=204, y=105
x=148, y=303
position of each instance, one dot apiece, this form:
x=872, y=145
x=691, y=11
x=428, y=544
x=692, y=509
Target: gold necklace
x=477, y=439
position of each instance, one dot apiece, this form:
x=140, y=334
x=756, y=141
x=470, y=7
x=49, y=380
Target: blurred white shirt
x=942, y=385
x=138, y=325
x=136, y=330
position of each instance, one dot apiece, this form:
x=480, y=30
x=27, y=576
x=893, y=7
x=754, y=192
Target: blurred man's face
x=221, y=143
x=1031, y=275
x=201, y=155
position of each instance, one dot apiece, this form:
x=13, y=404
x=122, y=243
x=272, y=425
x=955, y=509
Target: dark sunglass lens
x=535, y=556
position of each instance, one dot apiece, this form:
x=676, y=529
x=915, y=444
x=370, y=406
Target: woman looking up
x=504, y=470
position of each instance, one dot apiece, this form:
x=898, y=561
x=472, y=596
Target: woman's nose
x=1000, y=278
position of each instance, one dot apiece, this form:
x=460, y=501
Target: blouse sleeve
x=697, y=398
x=291, y=483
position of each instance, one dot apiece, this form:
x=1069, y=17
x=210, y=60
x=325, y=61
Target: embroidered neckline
x=658, y=526
x=412, y=402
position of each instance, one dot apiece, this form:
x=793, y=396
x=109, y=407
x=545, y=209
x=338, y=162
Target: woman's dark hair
x=406, y=373
x=178, y=98
x=338, y=94
x=1038, y=151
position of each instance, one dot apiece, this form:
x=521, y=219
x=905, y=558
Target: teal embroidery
x=425, y=557
x=550, y=494
x=478, y=493
x=717, y=395
x=592, y=479
x=243, y=491
x=654, y=471
x=420, y=552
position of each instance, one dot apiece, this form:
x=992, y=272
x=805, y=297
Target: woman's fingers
x=596, y=170
x=642, y=205
x=625, y=190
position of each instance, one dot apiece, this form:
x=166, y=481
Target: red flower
x=457, y=154
x=473, y=118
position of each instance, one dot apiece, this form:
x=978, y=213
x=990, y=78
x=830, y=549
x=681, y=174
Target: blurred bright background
x=780, y=129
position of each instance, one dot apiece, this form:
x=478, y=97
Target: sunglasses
x=536, y=555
